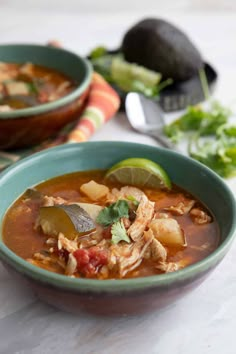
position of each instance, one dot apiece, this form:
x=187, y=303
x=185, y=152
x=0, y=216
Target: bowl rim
x=45, y=107
x=116, y=285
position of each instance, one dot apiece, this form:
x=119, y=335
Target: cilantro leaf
x=216, y=163
x=201, y=126
x=98, y=52
x=206, y=122
x=119, y=233
x=113, y=213
x=219, y=155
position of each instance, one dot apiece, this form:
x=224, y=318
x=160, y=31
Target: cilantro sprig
x=119, y=233
x=211, y=139
x=218, y=154
x=196, y=119
x=113, y=213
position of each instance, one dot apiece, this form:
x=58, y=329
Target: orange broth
x=20, y=235
x=40, y=85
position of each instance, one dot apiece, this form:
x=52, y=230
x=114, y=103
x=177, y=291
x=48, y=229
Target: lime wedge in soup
x=139, y=172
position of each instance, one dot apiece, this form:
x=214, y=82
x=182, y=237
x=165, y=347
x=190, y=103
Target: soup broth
x=28, y=85
x=164, y=230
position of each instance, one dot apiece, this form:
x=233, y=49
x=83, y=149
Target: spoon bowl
x=147, y=117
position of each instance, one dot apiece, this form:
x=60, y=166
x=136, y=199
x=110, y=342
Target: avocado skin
x=160, y=46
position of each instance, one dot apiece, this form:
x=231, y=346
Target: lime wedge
x=139, y=172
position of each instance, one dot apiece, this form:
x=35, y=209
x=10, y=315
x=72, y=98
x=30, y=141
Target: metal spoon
x=146, y=117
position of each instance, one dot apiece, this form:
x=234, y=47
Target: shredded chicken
x=205, y=246
x=5, y=73
x=104, y=244
x=87, y=242
x=103, y=273
x=41, y=257
x=93, y=239
x=158, y=251
x=41, y=260
x=124, y=193
x=27, y=69
x=159, y=215
x=199, y=216
x=59, y=90
x=51, y=241
x=69, y=245
x=168, y=267
x=126, y=222
x=181, y=208
x=71, y=265
x=127, y=257
x=51, y=201
x=144, y=214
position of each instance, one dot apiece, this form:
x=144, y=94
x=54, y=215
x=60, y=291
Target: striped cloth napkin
x=103, y=102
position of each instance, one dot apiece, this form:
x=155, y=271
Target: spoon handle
x=163, y=141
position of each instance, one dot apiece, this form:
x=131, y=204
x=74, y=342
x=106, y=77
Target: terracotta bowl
x=30, y=126
x=129, y=296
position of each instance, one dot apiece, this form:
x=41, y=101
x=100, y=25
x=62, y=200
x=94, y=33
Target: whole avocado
x=160, y=46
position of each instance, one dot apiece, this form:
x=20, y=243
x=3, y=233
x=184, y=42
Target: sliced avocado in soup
x=71, y=220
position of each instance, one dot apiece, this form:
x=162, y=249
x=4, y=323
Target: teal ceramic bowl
x=116, y=296
x=30, y=126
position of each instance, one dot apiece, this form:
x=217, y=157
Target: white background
x=202, y=323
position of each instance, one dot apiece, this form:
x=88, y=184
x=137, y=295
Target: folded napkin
x=102, y=104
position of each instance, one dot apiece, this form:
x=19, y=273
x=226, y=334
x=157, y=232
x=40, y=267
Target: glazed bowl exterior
x=30, y=126
x=127, y=296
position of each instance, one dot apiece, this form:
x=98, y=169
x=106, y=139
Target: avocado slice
x=71, y=220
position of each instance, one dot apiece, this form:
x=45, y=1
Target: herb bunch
x=211, y=137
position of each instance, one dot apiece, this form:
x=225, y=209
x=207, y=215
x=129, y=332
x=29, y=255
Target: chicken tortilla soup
x=86, y=225
x=28, y=85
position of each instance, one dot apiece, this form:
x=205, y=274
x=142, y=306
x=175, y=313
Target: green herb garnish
x=119, y=233
x=113, y=213
x=211, y=140
x=205, y=122
x=32, y=87
x=220, y=154
x=98, y=52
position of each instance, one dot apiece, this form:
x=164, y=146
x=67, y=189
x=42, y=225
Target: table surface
x=202, y=322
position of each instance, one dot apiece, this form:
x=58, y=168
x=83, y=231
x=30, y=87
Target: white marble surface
x=202, y=323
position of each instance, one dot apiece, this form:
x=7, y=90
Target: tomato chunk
x=89, y=261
